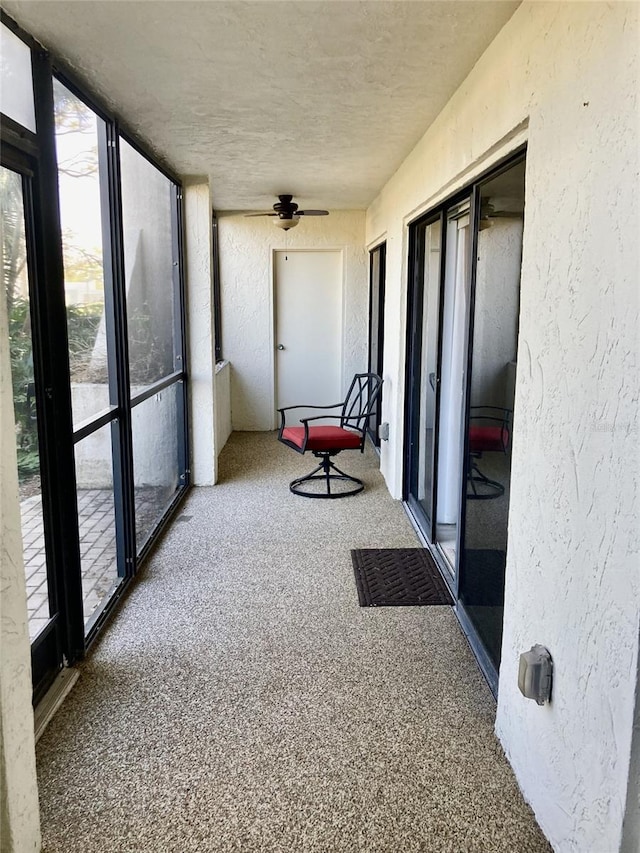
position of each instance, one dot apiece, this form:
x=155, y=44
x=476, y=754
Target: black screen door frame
x=65, y=638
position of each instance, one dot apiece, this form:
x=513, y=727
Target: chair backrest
x=360, y=400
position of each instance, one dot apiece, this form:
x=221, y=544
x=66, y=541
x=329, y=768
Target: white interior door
x=308, y=328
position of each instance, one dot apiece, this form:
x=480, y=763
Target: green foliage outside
x=150, y=357
x=23, y=389
x=83, y=323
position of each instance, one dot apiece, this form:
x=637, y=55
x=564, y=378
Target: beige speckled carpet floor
x=241, y=700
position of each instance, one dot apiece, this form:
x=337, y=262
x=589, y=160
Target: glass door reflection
x=491, y=400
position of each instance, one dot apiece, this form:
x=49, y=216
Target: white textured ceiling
x=320, y=99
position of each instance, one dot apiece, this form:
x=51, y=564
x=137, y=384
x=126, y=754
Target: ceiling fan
x=287, y=213
x=500, y=208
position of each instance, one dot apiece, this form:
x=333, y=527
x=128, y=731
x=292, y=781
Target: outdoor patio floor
x=97, y=548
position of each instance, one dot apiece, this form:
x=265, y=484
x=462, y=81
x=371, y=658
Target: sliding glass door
x=491, y=391
x=439, y=314
x=462, y=341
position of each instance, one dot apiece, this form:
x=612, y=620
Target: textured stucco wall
x=563, y=76
x=246, y=268
x=155, y=443
x=631, y=827
x=19, y=812
x=148, y=261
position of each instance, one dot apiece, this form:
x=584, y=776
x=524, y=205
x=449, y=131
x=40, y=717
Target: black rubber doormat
x=396, y=577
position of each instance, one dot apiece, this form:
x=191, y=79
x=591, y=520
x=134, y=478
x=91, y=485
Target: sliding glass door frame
x=474, y=211
x=487, y=665
x=416, y=316
x=415, y=304
x=377, y=280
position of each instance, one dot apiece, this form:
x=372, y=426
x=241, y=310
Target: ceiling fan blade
x=266, y=213
x=312, y=212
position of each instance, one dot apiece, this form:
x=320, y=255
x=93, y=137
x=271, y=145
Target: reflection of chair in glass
x=488, y=433
x=326, y=441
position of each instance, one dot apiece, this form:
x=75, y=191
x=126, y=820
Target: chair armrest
x=302, y=406
x=325, y=417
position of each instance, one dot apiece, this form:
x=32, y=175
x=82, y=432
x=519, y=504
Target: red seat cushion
x=487, y=438
x=323, y=438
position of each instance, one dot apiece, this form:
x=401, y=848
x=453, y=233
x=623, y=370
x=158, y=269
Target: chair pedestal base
x=481, y=488
x=324, y=474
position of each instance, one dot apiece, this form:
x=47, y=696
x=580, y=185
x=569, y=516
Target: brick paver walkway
x=97, y=547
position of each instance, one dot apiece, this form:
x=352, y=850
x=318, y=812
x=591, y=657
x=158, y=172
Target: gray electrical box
x=535, y=674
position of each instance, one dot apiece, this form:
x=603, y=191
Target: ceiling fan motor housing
x=286, y=207
x=288, y=213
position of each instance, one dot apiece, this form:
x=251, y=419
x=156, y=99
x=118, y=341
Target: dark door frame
x=415, y=311
x=426, y=528
x=63, y=637
x=378, y=333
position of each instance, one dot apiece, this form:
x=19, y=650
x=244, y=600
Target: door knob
x=280, y=346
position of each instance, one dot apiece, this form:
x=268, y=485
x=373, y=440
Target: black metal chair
x=326, y=441
x=488, y=432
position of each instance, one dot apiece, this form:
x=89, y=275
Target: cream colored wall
x=246, y=267
x=19, y=812
x=223, y=404
x=209, y=394
x=563, y=77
